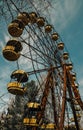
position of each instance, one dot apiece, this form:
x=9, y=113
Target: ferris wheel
x=41, y=55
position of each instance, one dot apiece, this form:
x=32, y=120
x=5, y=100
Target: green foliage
x=31, y=90
x=14, y=117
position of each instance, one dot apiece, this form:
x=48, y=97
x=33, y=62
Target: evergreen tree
x=31, y=90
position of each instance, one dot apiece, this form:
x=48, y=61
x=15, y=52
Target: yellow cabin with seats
x=30, y=121
x=24, y=17
x=55, y=36
x=74, y=76
x=69, y=66
x=48, y=28
x=34, y=106
x=33, y=17
x=43, y=126
x=50, y=126
x=20, y=75
x=40, y=21
x=60, y=46
x=10, y=54
x=16, y=28
x=15, y=88
x=12, y=50
x=26, y=121
x=65, y=56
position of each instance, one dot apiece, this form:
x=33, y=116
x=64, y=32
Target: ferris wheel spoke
x=39, y=43
x=37, y=50
x=34, y=70
x=42, y=42
x=41, y=63
x=9, y=10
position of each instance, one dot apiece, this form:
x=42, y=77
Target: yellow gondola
x=11, y=50
x=16, y=44
x=16, y=28
x=60, y=46
x=33, y=106
x=20, y=75
x=65, y=56
x=74, y=76
x=50, y=126
x=26, y=121
x=43, y=126
x=55, y=36
x=40, y=21
x=33, y=17
x=48, y=28
x=69, y=66
x=10, y=54
x=30, y=121
x=24, y=17
x=15, y=88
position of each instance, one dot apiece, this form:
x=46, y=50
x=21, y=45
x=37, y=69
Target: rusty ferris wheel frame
x=44, y=50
